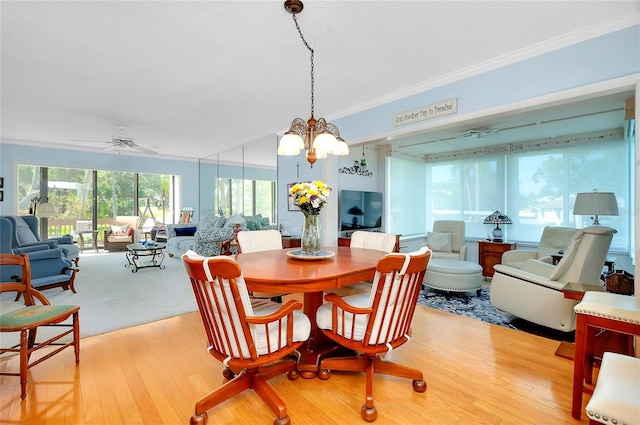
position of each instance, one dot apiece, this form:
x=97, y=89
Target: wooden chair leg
x=238, y=384
x=368, y=410
x=24, y=364
x=395, y=369
x=269, y=396
x=76, y=336
x=354, y=364
x=253, y=379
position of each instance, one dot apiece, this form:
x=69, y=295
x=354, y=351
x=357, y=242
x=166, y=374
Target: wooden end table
x=604, y=340
x=490, y=254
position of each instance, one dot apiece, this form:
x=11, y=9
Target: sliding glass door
x=93, y=198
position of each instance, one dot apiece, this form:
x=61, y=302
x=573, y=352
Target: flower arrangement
x=310, y=197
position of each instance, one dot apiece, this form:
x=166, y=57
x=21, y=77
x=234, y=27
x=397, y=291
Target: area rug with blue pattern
x=466, y=304
x=469, y=305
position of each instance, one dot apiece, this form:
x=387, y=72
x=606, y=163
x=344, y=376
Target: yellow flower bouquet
x=310, y=197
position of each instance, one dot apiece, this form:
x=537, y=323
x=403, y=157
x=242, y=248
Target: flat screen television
x=360, y=210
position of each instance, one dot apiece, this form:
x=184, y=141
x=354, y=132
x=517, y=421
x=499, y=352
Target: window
x=76, y=193
x=466, y=190
x=547, y=183
x=246, y=197
x=535, y=189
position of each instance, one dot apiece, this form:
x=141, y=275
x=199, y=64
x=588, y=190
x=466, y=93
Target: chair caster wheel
x=282, y=421
x=367, y=414
x=324, y=374
x=293, y=374
x=419, y=386
x=199, y=419
x=228, y=373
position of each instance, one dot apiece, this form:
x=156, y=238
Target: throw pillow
x=252, y=223
x=440, y=242
x=119, y=230
x=185, y=231
x=130, y=231
x=236, y=218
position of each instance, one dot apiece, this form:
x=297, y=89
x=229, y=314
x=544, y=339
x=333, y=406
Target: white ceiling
x=194, y=78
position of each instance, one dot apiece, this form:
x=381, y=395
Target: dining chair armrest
x=339, y=302
x=286, y=310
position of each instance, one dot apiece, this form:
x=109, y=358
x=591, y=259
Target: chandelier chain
x=312, y=54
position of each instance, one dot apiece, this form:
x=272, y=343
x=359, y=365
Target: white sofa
x=534, y=292
x=553, y=240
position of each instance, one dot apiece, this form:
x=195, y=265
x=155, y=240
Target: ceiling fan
x=121, y=142
x=477, y=133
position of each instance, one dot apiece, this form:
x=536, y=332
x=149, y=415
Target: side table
x=94, y=238
x=604, y=340
x=291, y=242
x=490, y=254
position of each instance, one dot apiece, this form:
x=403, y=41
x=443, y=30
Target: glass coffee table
x=140, y=256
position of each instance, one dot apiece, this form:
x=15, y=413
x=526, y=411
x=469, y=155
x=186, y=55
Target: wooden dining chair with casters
x=28, y=319
x=257, y=339
x=376, y=323
x=369, y=240
x=256, y=241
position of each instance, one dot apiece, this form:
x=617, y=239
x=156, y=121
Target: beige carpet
x=111, y=297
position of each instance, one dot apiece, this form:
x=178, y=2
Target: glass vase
x=311, y=234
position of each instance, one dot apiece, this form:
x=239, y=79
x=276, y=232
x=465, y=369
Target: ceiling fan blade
x=89, y=141
x=145, y=150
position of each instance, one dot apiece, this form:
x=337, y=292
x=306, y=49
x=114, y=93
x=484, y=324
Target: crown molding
x=76, y=148
x=538, y=49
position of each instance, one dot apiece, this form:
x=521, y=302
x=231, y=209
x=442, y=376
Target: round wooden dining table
x=276, y=272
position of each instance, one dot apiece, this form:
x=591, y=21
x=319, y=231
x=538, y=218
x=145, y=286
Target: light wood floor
x=152, y=374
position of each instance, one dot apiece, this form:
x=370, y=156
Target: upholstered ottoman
x=615, y=397
x=453, y=275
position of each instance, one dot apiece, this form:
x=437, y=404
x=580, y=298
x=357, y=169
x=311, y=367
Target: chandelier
x=317, y=136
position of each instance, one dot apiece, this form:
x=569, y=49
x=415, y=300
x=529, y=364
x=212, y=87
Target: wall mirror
x=241, y=180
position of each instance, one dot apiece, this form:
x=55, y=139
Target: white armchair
x=446, y=241
x=534, y=292
x=552, y=241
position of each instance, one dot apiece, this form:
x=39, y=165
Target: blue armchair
x=49, y=267
x=25, y=234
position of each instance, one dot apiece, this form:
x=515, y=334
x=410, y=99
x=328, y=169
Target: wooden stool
x=615, y=398
x=596, y=312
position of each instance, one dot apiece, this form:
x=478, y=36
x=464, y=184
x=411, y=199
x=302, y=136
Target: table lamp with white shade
x=595, y=204
x=47, y=210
